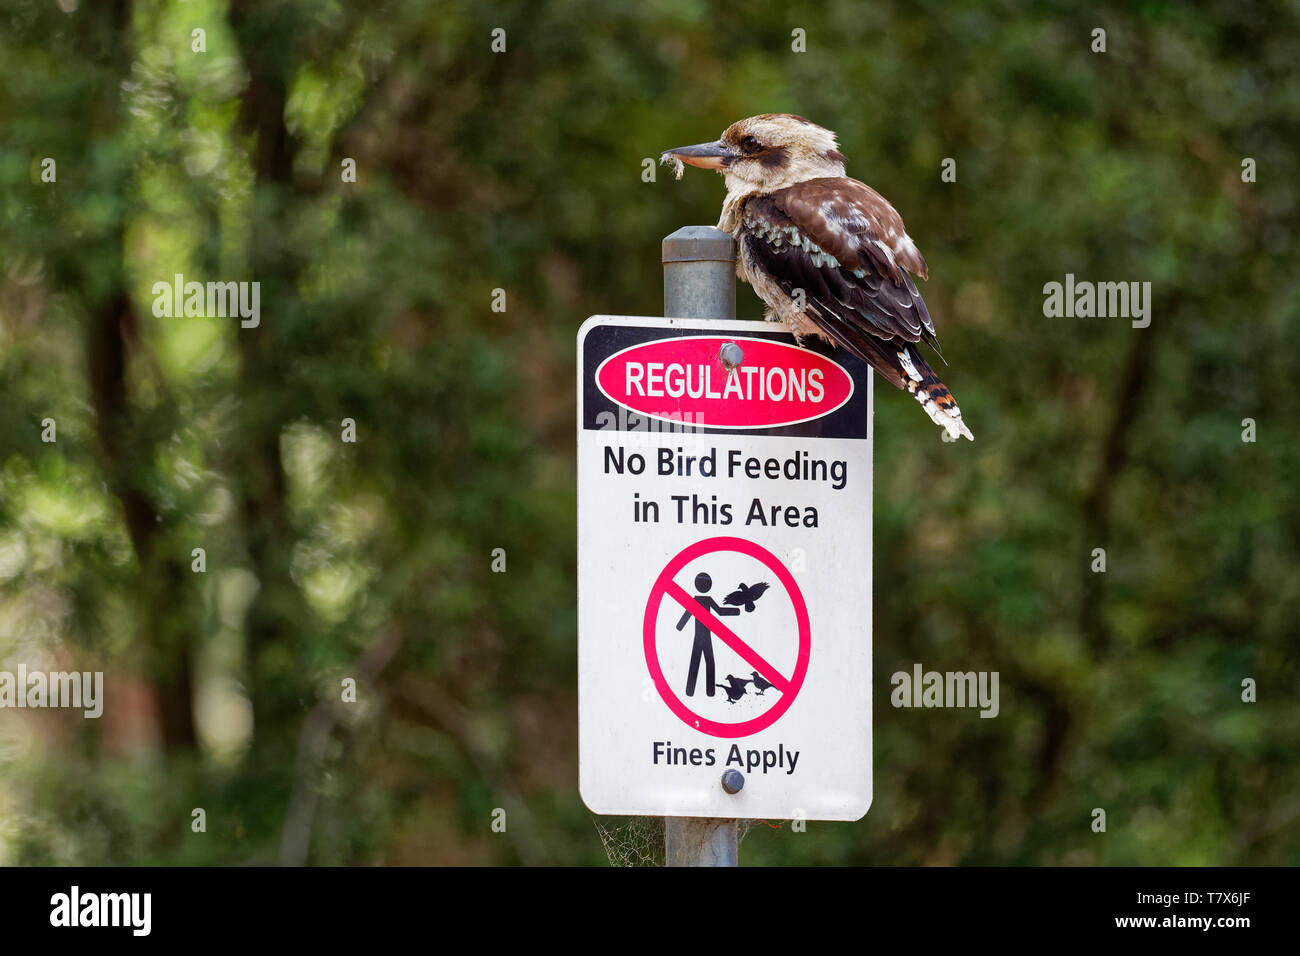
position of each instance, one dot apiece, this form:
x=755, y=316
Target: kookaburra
x=828, y=254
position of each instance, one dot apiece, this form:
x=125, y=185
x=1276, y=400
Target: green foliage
x=522, y=171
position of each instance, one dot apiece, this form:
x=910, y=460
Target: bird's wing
x=735, y=597
x=845, y=246
x=757, y=590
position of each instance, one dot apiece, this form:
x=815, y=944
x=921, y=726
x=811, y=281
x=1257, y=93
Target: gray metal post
x=700, y=283
x=699, y=274
x=700, y=841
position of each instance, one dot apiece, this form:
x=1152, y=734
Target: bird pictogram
x=746, y=595
x=735, y=688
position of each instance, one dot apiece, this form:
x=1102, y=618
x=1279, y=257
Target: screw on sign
x=706, y=613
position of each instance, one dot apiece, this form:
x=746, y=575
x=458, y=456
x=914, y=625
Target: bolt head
x=731, y=355
x=733, y=781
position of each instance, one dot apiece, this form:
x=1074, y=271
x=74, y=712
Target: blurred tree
x=520, y=171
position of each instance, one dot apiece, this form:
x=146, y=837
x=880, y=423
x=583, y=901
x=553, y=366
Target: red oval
x=684, y=380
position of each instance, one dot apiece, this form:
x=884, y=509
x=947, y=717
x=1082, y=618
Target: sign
x=724, y=571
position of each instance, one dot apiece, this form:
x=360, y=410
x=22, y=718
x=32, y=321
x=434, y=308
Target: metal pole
x=700, y=841
x=700, y=283
x=699, y=274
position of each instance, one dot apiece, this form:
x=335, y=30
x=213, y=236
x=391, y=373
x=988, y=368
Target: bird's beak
x=704, y=155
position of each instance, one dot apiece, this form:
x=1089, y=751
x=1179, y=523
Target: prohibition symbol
x=787, y=685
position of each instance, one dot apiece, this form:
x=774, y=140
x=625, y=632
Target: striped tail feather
x=901, y=365
x=928, y=389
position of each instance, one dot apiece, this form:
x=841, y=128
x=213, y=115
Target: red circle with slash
x=788, y=686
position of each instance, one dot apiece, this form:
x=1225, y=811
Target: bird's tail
x=903, y=366
x=928, y=389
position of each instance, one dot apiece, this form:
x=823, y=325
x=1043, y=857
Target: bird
x=746, y=595
x=760, y=682
x=827, y=254
x=735, y=688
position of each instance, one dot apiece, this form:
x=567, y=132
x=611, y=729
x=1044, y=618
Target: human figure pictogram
x=703, y=647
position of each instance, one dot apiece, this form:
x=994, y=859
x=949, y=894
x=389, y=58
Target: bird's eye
x=750, y=145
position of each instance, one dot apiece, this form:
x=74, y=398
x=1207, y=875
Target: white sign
x=724, y=571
